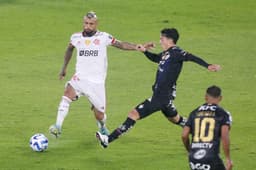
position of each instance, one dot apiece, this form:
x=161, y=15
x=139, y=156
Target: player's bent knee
x=134, y=114
x=70, y=93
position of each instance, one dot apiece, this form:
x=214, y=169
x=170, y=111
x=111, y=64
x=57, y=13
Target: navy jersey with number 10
x=205, y=123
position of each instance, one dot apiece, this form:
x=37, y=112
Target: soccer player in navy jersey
x=208, y=124
x=170, y=63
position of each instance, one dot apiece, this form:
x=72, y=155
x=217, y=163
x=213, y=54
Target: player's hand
x=140, y=47
x=229, y=164
x=145, y=46
x=149, y=45
x=214, y=67
x=62, y=74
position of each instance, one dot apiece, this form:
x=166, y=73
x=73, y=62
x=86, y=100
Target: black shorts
x=157, y=103
x=211, y=164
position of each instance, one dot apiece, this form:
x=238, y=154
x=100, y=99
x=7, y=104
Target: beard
x=89, y=33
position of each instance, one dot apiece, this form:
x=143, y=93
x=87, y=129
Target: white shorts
x=95, y=92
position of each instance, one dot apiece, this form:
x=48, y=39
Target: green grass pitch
x=33, y=38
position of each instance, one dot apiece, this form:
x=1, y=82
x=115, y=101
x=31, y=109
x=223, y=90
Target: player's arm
x=185, y=137
x=67, y=57
x=226, y=143
x=124, y=45
x=190, y=57
x=151, y=56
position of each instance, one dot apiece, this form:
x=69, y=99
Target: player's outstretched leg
x=105, y=140
x=128, y=124
x=178, y=120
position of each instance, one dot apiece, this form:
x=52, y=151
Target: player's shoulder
x=76, y=35
x=223, y=111
x=191, y=117
x=177, y=50
x=194, y=112
x=101, y=33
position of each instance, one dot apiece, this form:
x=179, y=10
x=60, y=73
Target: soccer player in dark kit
x=170, y=63
x=208, y=124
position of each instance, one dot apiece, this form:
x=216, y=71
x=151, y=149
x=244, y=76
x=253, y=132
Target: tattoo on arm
x=124, y=45
x=68, y=55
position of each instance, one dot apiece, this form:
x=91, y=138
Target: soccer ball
x=38, y=142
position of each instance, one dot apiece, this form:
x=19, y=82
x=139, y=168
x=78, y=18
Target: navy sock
x=128, y=124
x=182, y=121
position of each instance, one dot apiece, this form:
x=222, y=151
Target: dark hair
x=171, y=33
x=91, y=14
x=214, y=91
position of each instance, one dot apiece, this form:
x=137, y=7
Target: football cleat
x=55, y=131
x=103, y=139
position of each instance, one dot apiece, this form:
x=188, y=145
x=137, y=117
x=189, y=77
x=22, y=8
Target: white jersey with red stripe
x=92, y=61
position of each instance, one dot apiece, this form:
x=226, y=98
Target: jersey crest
x=87, y=42
x=96, y=41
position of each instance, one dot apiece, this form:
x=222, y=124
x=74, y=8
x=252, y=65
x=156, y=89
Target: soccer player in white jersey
x=91, y=69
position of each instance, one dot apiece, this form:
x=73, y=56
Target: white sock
x=102, y=123
x=62, y=111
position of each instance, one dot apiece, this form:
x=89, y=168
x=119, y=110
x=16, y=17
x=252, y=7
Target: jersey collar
x=89, y=35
